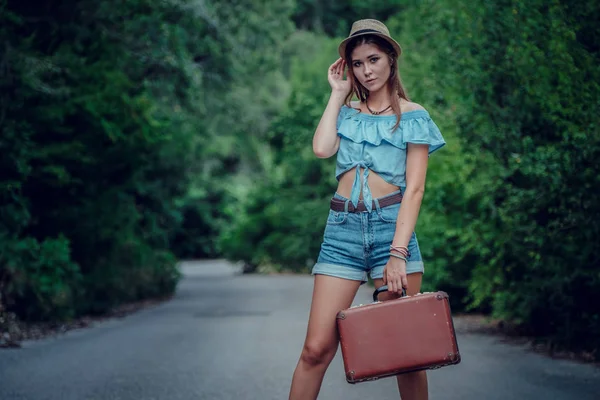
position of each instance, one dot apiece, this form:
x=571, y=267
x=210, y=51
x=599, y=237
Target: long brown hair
x=394, y=83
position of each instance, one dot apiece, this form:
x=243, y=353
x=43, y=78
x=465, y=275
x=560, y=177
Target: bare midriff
x=378, y=186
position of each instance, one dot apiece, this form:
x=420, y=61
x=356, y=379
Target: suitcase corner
x=350, y=377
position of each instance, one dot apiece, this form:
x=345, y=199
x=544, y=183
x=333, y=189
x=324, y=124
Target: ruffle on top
x=367, y=133
x=415, y=127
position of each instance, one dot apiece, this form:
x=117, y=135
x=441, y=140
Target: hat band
x=365, y=31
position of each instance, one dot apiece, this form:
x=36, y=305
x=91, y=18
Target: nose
x=367, y=70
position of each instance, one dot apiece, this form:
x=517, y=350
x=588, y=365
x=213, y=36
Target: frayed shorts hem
x=344, y=272
x=339, y=271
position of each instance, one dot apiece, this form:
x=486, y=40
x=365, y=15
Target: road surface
x=227, y=336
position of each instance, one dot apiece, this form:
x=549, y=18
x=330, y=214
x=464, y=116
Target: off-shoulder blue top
x=368, y=141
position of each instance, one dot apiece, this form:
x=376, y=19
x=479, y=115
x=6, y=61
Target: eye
x=356, y=64
x=374, y=59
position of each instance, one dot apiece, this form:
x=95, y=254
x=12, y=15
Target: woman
x=382, y=142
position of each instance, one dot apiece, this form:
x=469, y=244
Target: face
x=371, y=66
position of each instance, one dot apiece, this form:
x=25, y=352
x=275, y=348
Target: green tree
x=120, y=122
x=527, y=90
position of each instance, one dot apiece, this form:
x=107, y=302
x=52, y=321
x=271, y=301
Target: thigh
x=330, y=295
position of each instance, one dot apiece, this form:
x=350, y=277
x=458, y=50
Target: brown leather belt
x=339, y=204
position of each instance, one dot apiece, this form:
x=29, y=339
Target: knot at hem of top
x=356, y=186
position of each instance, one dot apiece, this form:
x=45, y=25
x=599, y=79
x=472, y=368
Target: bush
x=44, y=282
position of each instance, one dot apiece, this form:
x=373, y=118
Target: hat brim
x=342, y=46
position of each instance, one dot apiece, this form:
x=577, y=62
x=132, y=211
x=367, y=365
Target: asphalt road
x=229, y=336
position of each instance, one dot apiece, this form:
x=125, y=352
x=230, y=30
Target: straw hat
x=369, y=27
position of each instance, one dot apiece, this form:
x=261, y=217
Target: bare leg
x=330, y=295
x=412, y=386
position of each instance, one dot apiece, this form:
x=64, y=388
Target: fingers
x=340, y=68
x=395, y=283
x=339, y=60
x=333, y=68
x=337, y=68
x=388, y=279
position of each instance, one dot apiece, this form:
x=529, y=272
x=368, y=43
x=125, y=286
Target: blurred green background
x=138, y=133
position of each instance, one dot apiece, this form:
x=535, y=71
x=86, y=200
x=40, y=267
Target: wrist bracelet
x=399, y=256
x=400, y=249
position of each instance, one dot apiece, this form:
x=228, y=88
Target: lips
x=368, y=82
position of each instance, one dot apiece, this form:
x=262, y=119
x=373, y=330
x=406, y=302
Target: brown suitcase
x=388, y=338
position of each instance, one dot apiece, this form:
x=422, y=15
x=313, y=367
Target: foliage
x=522, y=103
x=536, y=103
x=137, y=133
x=44, y=274
x=511, y=206
x=335, y=17
x=279, y=215
x=117, y=127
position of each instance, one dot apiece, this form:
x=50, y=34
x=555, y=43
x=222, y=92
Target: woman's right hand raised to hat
x=335, y=75
x=326, y=142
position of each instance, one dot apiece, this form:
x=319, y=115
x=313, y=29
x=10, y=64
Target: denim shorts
x=355, y=244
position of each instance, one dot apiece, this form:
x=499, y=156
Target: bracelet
x=401, y=249
x=398, y=247
x=399, y=256
x=403, y=252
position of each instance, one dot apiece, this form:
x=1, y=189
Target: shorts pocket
x=336, y=217
x=389, y=214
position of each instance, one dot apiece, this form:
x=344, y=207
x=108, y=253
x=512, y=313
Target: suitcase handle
x=384, y=288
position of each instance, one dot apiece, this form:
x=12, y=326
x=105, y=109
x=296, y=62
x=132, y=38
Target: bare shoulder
x=407, y=106
x=355, y=104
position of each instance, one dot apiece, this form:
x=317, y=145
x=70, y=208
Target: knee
x=315, y=353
